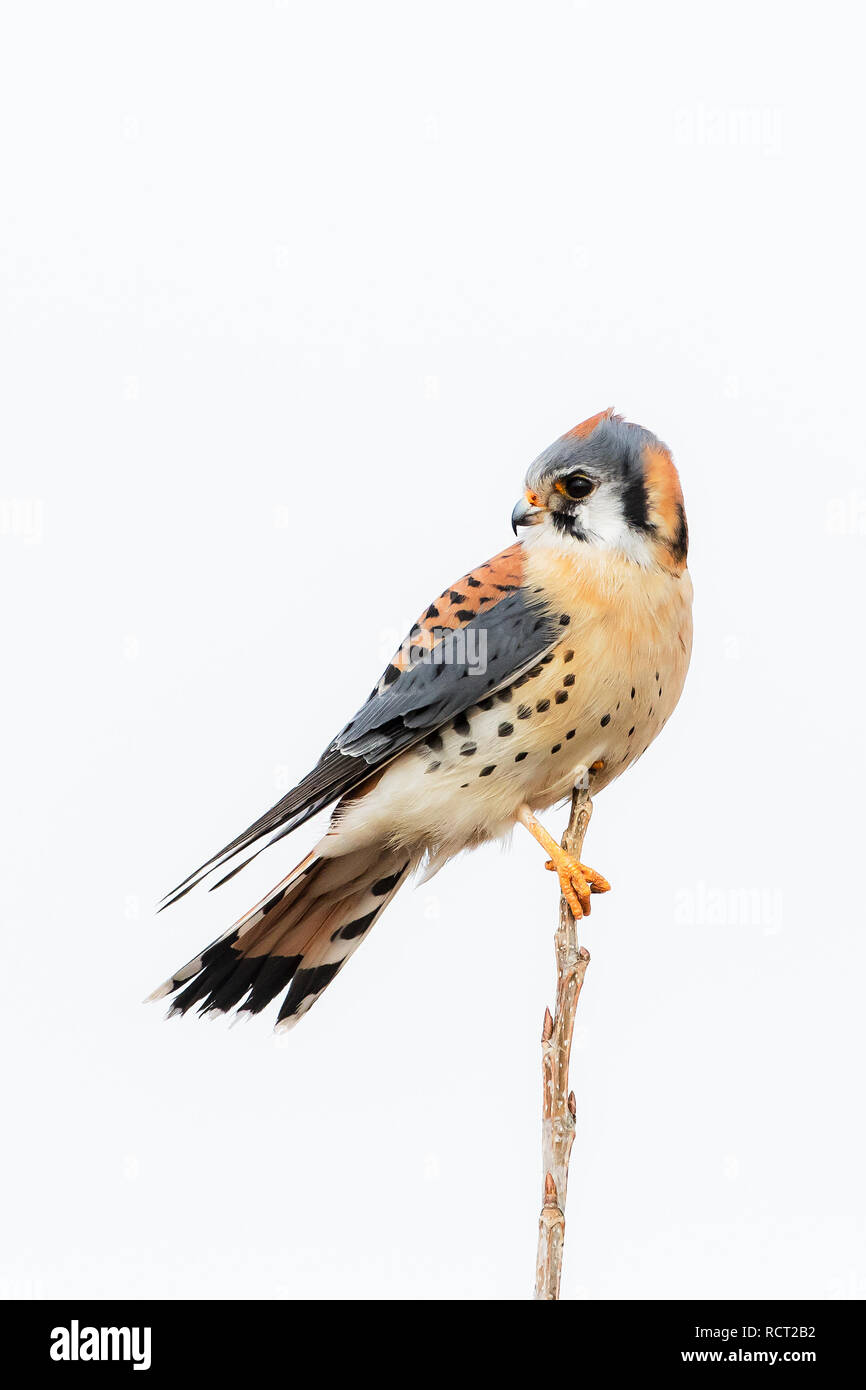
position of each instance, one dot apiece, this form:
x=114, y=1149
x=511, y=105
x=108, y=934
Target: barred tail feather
x=296, y=939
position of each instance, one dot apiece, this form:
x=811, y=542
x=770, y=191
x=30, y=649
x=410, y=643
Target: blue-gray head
x=611, y=484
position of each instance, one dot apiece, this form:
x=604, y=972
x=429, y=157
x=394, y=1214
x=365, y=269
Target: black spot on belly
x=605, y=721
x=432, y=611
x=569, y=680
x=518, y=757
x=434, y=742
x=660, y=692
x=564, y=620
x=542, y=706
x=465, y=615
x=523, y=711
x=561, y=696
x=657, y=675
x=556, y=747
x=468, y=749
x=486, y=703
x=569, y=656
x=536, y=671
x=431, y=767
x=545, y=660
x=455, y=597
x=570, y=733
x=473, y=583
x=486, y=771
x=461, y=725
x=521, y=680
x=505, y=729
x=632, y=692
x=631, y=731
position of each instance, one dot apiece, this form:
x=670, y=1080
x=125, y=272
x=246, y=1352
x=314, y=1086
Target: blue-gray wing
x=472, y=641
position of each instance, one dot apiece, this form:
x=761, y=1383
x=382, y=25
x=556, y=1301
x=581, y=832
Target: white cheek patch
x=601, y=517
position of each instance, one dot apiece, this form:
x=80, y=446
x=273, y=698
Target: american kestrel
x=560, y=658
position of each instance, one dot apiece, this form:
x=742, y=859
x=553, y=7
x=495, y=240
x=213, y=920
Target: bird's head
x=611, y=484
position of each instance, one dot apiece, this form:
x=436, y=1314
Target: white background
x=291, y=296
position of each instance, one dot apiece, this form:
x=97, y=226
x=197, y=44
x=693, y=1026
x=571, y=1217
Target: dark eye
x=577, y=486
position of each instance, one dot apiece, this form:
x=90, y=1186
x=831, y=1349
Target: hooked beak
x=526, y=513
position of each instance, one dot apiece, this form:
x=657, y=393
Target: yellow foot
x=576, y=882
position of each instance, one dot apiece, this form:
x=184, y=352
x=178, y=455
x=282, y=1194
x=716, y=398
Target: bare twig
x=558, y=1105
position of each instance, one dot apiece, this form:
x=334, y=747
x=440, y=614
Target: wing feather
x=476, y=638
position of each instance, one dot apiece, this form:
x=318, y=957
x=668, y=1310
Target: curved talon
x=576, y=882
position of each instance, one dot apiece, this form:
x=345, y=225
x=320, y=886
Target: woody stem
x=558, y=1104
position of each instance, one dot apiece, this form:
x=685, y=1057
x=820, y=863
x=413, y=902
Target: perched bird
x=560, y=658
